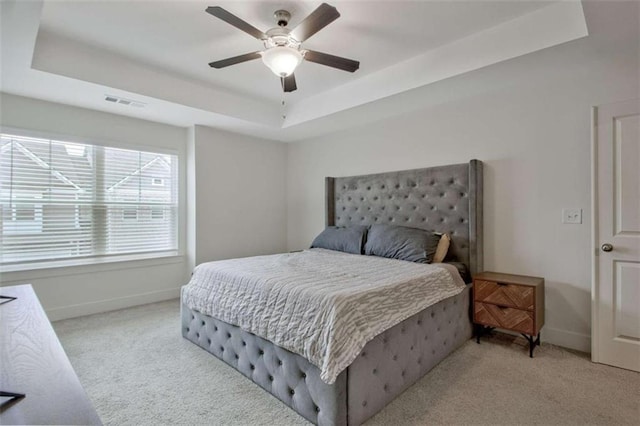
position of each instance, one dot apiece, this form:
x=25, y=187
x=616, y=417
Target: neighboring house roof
x=148, y=164
x=40, y=162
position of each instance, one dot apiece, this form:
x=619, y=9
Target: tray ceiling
x=157, y=52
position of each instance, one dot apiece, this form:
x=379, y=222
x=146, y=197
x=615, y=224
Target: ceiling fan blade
x=317, y=20
x=235, y=60
x=332, y=61
x=289, y=83
x=232, y=19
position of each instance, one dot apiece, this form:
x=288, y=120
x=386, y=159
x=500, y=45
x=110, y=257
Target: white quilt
x=324, y=305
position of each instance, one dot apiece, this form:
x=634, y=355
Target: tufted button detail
x=215, y=328
x=364, y=354
x=395, y=357
x=192, y=316
x=403, y=373
x=198, y=335
x=237, y=356
x=202, y=322
x=317, y=409
x=261, y=352
x=270, y=378
x=222, y=348
x=304, y=375
x=419, y=360
x=188, y=329
x=291, y=391
x=228, y=335
x=411, y=348
x=432, y=314
x=386, y=388
x=244, y=343
x=209, y=341
x=375, y=371
x=279, y=362
x=253, y=367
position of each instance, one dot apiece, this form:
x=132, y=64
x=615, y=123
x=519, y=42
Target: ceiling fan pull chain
x=284, y=107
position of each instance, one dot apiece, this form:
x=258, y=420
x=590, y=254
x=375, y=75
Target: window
x=63, y=200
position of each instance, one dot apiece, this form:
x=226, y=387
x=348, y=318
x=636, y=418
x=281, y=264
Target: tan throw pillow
x=442, y=249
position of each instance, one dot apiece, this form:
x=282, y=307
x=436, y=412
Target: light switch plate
x=572, y=216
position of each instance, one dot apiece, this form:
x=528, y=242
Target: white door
x=616, y=213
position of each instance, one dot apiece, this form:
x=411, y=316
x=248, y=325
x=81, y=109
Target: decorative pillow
x=400, y=242
x=347, y=239
x=442, y=249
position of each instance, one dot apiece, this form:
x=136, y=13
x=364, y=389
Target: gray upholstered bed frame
x=445, y=199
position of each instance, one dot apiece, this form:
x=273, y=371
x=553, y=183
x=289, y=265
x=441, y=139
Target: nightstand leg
x=532, y=343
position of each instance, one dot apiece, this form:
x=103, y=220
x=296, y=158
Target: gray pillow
x=400, y=242
x=348, y=239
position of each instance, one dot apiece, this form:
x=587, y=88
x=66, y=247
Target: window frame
x=116, y=260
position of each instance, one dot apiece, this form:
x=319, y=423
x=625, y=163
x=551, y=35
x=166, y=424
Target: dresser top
x=33, y=362
x=509, y=278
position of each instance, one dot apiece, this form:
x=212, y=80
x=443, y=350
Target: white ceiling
x=157, y=52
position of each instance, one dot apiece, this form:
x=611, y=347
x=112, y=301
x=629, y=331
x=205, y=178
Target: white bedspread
x=324, y=305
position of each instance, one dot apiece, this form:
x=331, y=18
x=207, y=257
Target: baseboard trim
x=567, y=339
x=72, y=311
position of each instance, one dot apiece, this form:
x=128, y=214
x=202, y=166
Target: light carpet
x=137, y=369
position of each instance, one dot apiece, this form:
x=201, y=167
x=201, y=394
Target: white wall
x=240, y=203
x=528, y=119
x=79, y=290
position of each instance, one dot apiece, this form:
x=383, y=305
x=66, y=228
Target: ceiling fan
x=283, y=51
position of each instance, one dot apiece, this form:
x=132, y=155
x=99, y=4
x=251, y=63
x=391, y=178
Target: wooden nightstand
x=509, y=302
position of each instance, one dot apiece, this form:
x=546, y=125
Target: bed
x=445, y=199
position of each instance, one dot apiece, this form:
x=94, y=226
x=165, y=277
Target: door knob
x=606, y=247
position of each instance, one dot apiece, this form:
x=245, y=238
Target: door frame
x=595, y=253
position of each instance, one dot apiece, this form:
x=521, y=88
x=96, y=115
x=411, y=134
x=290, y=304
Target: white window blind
x=64, y=200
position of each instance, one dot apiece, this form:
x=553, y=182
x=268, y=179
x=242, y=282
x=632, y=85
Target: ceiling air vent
x=123, y=101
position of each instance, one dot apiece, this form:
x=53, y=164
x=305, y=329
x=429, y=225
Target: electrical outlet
x=572, y=216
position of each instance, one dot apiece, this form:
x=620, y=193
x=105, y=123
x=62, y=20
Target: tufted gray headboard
x=441, y=199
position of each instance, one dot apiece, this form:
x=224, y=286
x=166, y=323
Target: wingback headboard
x=444, y=199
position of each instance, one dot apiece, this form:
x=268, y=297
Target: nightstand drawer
x=503, y=317
x=511, y=295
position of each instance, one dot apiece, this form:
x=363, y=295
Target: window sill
x=86, y=266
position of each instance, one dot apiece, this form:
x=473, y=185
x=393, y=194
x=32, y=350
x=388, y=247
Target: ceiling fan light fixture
x=282, y=60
